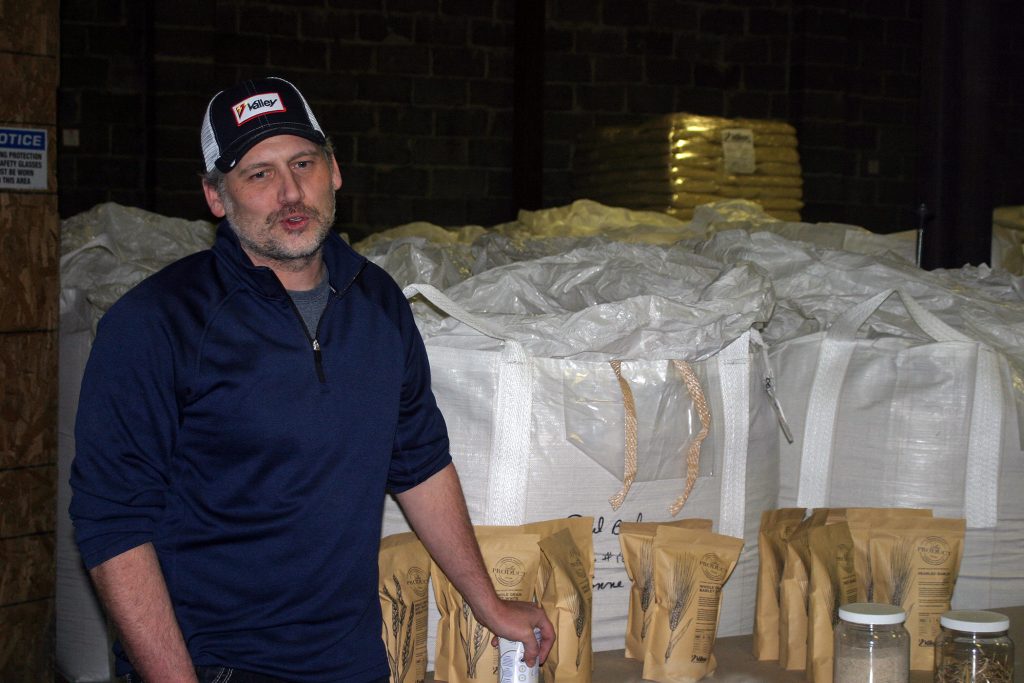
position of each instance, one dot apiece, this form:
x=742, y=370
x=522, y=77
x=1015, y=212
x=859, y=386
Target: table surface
x=737, y=665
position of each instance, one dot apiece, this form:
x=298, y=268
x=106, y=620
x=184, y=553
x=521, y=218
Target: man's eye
x=258, y=175
x=304, y=164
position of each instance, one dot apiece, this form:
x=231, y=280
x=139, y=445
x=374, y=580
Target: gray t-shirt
x=311, y=304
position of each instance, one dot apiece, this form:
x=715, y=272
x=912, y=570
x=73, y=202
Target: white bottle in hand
x=513, y=668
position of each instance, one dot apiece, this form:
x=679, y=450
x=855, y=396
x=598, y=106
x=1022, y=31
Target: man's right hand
x=517, y=622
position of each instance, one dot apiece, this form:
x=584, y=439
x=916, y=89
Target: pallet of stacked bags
x=677, y=162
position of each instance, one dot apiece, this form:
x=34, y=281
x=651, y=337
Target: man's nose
x=289, y=191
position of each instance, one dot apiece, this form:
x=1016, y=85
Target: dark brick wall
x=856, y=90
x=1008, y=130
x=418, y=94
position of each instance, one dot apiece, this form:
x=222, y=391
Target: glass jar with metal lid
x=871, y=644
x=974, y=647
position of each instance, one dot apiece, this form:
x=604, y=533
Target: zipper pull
x=318, y=360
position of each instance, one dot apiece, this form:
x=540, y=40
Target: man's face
x=280, y=200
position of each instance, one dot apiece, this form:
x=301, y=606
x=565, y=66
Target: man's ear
x=335, y=173
x=213, y=200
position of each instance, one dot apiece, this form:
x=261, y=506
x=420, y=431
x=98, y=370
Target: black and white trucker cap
x=239, y=117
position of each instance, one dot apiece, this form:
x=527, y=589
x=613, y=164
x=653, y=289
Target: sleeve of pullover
x=124, y=432
x=421, y=441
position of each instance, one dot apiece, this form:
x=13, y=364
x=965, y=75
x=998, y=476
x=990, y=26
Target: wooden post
x=29, y=283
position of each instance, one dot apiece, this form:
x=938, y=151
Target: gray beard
x=272, y=252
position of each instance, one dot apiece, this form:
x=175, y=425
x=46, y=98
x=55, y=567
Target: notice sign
x=23, y=159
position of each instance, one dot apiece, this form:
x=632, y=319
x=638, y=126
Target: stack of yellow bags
x=679, y=161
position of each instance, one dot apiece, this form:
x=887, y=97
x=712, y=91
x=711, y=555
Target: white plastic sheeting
x=110, y=248
x=423, y=252
x=741, y=214
x=814, y=285
x=426, y=253
x=586, y=218
x=417, y=259
x=613, y=300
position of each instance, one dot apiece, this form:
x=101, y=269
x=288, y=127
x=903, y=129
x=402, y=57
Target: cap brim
x=231, y=156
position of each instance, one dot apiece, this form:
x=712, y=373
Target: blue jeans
x=223, y=674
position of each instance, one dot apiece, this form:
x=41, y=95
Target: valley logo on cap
x=257, y=105
x=245, y=114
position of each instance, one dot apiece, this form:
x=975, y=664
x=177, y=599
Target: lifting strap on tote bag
x=510, y=439
x=837, y=348
x=632, y=439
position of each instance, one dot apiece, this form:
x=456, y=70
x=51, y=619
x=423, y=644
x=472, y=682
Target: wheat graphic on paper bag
x=400, y=661
x=647, y=584
x=684, y=570
x=574, y=601
x=473, y=639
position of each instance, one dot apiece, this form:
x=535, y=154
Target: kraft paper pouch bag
x=568, y=603
x=449, y=602
x=636, y=540
x=861, y=521
x=581, y=528
x=690, y=568
x=404, y=566
x=512, y=560
x=793, y=593
x=776, y=526
x=833, y=582
x=915, y=563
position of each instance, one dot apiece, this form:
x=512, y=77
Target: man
x=242, y=416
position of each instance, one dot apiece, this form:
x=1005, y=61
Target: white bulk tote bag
x=923, y=419
x=538, y=438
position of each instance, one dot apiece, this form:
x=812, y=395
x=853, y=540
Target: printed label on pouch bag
x=738, y=150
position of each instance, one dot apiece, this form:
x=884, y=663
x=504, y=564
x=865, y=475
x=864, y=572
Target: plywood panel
x=28, y=399
x=29, y=267
x=29, y=89
x=26, y=568
x=29, y=250
x=27, y=501
x=27, y=642
x=29, y=26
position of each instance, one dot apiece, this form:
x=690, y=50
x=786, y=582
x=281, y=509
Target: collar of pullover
x=343, y=263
